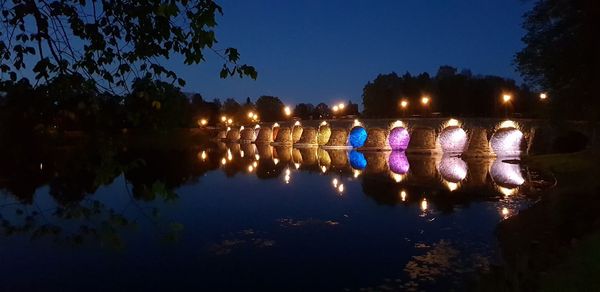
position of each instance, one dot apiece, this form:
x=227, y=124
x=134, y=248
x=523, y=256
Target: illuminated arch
x=399, y=138
x=506, y=141
x=453, y=139
x=357, y=137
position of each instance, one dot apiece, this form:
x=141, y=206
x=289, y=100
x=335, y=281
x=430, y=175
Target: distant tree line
x=449, y=93
x=72, y=102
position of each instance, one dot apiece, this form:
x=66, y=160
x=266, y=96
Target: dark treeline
x=449, y=93
x=74, y=103
x=71, y=102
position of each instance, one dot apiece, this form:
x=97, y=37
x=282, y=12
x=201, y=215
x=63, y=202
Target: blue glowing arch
x=357, y=160
x=357, y=137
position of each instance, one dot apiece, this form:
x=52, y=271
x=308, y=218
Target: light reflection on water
x=276, y=217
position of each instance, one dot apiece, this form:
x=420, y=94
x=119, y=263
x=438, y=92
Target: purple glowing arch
x=399, y=138
x=398, y=162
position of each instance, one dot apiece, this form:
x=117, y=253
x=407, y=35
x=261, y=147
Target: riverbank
x=553, y=245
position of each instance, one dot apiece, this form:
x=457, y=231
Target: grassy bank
x=555, y=244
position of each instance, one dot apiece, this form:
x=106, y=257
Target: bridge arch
x=357, y=137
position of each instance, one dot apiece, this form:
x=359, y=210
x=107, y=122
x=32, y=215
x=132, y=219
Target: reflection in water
x=399, y=163
x=357, y=160
x=418, y=169
x=506, y=174
x=217, y=190
x=452, y=169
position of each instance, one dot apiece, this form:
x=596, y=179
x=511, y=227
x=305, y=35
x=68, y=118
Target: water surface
x=254, y=218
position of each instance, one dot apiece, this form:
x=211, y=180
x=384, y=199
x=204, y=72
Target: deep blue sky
x=311, y=51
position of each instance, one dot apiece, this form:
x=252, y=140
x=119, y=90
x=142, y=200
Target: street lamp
x=425, y=102
x=223, y=118
x=335, y=108
x=403, y=106
x=341, y=106
x=287, y=111
x=506, y=98
x=543, y=96
x=203, y=122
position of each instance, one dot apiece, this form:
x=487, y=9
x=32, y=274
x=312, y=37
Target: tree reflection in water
x=151, y=177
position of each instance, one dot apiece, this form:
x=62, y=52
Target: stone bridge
x=471, y=137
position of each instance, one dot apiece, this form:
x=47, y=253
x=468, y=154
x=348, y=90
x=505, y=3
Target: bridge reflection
x=389, y=177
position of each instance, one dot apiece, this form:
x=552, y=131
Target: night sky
x=326, y=51
x=312, y=51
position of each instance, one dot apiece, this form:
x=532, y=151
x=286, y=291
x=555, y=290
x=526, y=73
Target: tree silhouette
x=450, y=94
x=270, y=108
x=562, y=55
x=110, y=41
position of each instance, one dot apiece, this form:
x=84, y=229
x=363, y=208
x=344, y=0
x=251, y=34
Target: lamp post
x=404, y=106
x=335, y=109
x=543, y=96
x=425, y=100
x=506, y=98
x=287, y=111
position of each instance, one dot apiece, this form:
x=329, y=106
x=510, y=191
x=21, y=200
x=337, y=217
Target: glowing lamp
x=452, y=186
x=452, y=123
x=403, y=104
